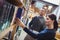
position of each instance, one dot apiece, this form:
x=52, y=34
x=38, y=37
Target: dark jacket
x=37, y=23
x=46, y=34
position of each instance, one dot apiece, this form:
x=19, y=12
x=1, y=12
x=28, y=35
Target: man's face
x=42, y=12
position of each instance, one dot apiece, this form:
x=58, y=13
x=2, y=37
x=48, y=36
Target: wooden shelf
x=58, y=35
x=2, y=34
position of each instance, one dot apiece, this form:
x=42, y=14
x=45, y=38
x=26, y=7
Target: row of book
x=6, y=15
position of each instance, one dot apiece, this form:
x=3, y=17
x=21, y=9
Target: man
x=37, y=23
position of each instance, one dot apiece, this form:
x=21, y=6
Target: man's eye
x=47, y=19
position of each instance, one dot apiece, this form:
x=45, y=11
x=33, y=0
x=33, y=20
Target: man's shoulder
x=38, y=18
x=35, y=17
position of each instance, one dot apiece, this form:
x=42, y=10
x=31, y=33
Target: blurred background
x=25, y=10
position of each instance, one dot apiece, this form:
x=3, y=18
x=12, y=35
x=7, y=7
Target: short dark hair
x=45, y=6
x=33, y=2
